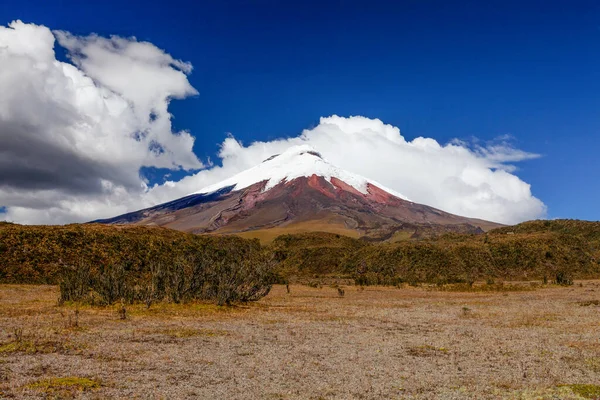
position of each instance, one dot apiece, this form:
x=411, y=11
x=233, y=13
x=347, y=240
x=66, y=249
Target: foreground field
x=309, y=344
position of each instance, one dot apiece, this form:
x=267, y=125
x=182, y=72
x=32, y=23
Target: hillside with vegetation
x=545, y=250
x=156, y=263
x=105, y=264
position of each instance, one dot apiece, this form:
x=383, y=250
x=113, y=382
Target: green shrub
x=563, y=278
x=226, y=274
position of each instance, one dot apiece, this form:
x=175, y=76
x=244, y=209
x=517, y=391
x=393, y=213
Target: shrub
x=237, y=276
x=75, y=282
x=562, y=278
x=239, y=272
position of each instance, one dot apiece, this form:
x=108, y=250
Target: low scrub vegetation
x=585, y=391
x=545, y=251
x=65, y=387
x=108, y=264
x=238, y=273
x=33, y=344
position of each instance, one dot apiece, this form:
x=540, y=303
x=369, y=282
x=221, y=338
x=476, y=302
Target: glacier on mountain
x=295, y=162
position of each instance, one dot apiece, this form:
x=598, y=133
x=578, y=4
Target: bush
x=243, y=277
x=240, y=272
x=75, y=282
x=562, y=278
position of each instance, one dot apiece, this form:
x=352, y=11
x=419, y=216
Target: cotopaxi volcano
x=299, y=191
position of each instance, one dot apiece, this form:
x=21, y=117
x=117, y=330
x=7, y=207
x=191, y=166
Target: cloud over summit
x=73, y=138
x=474, y=182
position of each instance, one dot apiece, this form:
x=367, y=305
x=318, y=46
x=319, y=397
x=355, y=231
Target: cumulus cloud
x=469, y=180
x=73, y=138
x=78, y=134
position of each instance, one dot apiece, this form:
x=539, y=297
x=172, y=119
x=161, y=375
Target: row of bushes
x=105, y=264
x=502, y=254
x=238, y=273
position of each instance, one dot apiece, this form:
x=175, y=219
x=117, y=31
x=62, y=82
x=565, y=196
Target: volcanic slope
x=298, y=191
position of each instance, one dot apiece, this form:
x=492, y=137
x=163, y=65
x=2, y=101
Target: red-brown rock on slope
x=299, y=191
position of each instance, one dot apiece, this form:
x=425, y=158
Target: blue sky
x=267, y=69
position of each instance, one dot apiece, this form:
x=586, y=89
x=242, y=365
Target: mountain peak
x=297, y=151
x=295, y=162
x=300, y=191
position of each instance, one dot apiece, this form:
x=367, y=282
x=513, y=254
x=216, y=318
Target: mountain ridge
x=298, y=191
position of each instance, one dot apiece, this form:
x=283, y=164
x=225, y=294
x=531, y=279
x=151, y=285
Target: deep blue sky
x=266, y=69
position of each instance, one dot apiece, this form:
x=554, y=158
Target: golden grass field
x=267, y=236
x=373, y=343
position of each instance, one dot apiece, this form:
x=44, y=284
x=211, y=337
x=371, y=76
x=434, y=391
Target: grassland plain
x=523, y=342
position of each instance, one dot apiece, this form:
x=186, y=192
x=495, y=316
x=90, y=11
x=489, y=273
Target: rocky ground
x=372, y=343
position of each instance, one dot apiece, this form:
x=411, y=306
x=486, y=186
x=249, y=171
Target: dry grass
x=267, y=236
x=373, y=343
x=63, y=387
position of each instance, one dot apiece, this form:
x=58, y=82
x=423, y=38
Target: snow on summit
x=295, y=162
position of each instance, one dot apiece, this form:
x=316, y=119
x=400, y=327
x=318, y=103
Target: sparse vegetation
x=497, y=287
x=35, y=345
x=411, y=342
x=427, y=350
x=587, y=303
x=585, y=391
x=187, y=332
x=64, y=386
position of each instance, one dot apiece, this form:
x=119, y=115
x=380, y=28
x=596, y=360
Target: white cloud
x=475, y=182
x=74, y=137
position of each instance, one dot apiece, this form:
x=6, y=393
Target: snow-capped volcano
x=296, y=162
x=299, y=191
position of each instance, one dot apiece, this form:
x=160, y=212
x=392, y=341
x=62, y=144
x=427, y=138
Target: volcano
x=299, y=191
